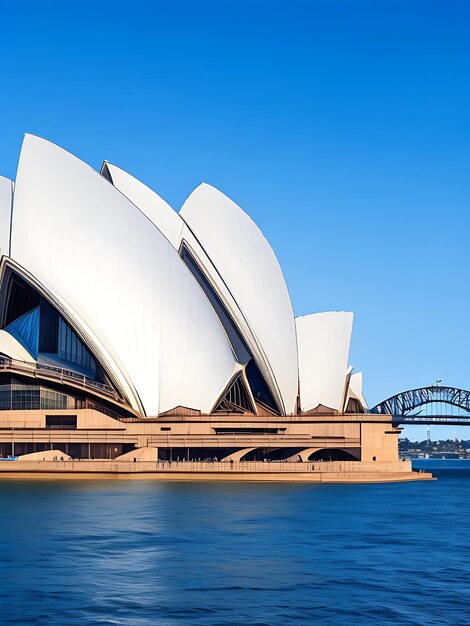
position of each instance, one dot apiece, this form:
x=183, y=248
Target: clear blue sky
x=341, y=127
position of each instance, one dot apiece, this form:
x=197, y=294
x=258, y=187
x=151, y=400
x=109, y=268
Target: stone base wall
x=317, y=472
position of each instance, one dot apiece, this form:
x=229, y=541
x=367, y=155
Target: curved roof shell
x=323, y=346
x=226, y=284
x=150, y=203
x=174, y=228
x=87, y=242
x=355, y=390
x=252, y=277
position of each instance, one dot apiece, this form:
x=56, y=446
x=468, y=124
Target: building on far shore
x=126, y=326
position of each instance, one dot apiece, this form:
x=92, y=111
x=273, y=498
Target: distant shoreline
x=441, y=464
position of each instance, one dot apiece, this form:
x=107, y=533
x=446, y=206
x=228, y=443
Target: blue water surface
x=146, y=553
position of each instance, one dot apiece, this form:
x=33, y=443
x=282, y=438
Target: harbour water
x=146, y=553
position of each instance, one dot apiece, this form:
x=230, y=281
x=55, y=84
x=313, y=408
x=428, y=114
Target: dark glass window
x=40, y=328
x=249, y=431
x=236, y=399
x=22, y=397
x=259, y=387
x=53, y=399
x=67, y=422
x=49, y=328
x=72, y=349
x=25, y=397
x=20, y=299
x=5, y=398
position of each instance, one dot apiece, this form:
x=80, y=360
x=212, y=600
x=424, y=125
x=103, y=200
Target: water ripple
x=147, y=553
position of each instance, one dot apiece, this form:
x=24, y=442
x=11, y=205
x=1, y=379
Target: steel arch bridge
x=449, y=405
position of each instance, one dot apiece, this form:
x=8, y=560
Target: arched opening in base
x=271, y=454
x=334, y=454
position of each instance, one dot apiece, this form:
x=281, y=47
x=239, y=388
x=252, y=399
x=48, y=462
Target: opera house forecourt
x=141, y=342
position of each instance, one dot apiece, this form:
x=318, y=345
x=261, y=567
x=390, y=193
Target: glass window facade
x=20, y=397
x=236, y=399
x=40, y=328
x=72, y=349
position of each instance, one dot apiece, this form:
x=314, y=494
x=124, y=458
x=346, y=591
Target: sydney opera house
x=130, y=331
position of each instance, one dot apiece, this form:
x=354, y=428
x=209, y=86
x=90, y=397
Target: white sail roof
x=88, y=243
x=6, y=199
x=251, y=274
x=150, y=203
x=355, y=389
x=323, y=346
x=176, y=231
x=173, y=226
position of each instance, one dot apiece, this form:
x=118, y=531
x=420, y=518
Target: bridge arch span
x=402, y=406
